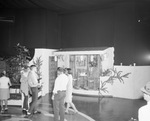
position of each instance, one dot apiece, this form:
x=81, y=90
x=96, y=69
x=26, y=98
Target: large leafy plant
x=113, y=76
x=38, y=62
x=17, y=62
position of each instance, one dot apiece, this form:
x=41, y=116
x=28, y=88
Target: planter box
x=16, y=97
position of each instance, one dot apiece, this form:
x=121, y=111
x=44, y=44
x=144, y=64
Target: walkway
x=90, y=109
x=14, y=113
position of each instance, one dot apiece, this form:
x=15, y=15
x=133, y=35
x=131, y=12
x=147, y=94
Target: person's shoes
x=29, y=115
x=6, y=109
x=24, y=111
x=37, y=112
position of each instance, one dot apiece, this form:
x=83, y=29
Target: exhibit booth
x=95, y=74
x=93, y=70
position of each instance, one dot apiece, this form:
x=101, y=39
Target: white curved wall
x=130, y=89
x=45, y=54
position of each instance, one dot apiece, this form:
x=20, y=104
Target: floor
x=90, y=109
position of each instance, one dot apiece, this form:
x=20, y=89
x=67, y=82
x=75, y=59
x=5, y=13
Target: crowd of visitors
x=29, y=84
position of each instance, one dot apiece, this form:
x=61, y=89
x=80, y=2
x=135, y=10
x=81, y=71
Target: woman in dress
x=24, y=88
x=4, y=91
x=68, y=98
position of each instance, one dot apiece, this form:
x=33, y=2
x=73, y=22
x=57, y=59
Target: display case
x=87, y=65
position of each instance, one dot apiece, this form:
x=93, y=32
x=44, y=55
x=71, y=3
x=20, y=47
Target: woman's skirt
x=4, y=94
x=68, y=98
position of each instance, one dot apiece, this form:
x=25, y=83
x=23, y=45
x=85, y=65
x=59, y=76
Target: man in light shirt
x=33, y=85
x=59, y=93
x=144, y=111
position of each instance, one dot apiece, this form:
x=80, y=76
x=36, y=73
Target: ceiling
x=61, y=6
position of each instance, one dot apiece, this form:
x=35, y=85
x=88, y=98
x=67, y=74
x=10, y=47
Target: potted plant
x=38, y=62
x=16, y=63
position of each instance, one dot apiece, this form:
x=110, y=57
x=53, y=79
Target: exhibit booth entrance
x=87, y=65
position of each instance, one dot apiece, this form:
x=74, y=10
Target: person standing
x=59, y=93
x=4, y=91
x=68, y=98
x=144, y=111
x=24, y=88
x=33, y=85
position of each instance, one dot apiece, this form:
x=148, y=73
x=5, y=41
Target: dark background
x=123, y=25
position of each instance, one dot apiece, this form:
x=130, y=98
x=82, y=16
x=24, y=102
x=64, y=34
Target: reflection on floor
x=91, y=108
x=109, y=109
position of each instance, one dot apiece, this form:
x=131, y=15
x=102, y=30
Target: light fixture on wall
x=55, y=58
x=81, y=58
x=92, y=58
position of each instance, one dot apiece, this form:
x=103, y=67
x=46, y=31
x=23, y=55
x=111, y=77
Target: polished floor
x=90, y=109
x=109, y=109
